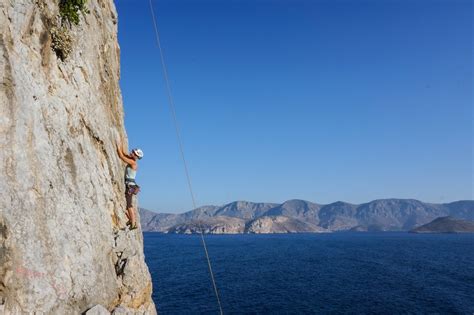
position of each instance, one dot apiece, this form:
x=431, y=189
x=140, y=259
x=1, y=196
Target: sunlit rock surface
x=61, y=193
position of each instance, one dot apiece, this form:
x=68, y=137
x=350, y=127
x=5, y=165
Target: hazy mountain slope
x=397, y=214
x=158, y=222
x=300, y=209
x=244, y=209
x=461, y=209
x=161, y=222
x=200, y=213
x=338, y=216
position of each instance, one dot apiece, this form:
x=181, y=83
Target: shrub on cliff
x=69, y=10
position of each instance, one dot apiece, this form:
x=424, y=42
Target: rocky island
x=63, y=249
x=446, y=225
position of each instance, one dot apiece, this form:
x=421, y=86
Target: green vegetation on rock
x=69, y=14
x=69, y=10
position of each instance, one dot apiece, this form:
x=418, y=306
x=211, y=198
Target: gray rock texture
x=61, y=194
x=98, y=310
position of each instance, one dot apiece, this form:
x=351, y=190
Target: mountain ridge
x=381, y=214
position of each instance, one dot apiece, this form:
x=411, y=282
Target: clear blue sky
x=315, y=100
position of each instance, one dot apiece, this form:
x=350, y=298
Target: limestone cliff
x=61, y=192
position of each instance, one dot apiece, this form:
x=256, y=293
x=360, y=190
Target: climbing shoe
x=132, y=227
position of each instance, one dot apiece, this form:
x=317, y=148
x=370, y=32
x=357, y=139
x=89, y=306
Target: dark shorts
x=129, y=199
x=131, y=189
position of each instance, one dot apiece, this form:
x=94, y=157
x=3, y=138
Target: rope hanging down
x=180, y=144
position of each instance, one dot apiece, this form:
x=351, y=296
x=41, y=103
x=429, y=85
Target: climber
x=131, y=187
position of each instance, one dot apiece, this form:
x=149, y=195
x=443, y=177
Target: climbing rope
x=180, y=144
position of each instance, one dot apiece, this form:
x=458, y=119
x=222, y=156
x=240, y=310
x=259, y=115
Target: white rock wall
x=61, y=182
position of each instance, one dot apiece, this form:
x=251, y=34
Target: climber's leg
x=131, y=217
x=130, y=214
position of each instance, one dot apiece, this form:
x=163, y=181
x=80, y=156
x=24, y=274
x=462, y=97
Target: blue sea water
x=370, y=273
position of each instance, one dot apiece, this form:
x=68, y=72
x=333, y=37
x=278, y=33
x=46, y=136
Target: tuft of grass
x=70, y=10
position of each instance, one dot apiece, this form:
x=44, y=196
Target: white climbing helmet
x=138, y=153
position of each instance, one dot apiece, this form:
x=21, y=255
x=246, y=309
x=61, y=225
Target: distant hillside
x=295, y=216
x=446, y=225
x=281, y=224
x=211, y=225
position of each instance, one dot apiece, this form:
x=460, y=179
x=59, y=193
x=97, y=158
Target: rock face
x=299, y=209
x=377, y=215
x=446, y=225
x=61, y=194
x=244, y=209
x=281, y=224
x=214, y=225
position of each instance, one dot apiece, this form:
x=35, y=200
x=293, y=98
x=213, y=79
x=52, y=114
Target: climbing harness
x=180, y=144
x=133, y=189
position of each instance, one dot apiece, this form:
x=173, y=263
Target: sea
x=331, y=273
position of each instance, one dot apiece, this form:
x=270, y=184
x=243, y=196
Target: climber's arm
x=121, y=150
x=124, y=157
